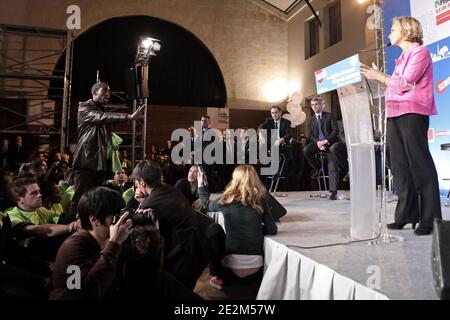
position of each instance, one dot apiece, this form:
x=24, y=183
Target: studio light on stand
x=147, y=48
x=138, y=91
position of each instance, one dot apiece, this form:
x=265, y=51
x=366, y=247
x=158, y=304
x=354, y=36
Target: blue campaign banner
x=338, y=75
x=440, y=124
x=434, y=15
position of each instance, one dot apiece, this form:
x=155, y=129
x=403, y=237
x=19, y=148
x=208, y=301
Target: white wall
x=355, y=36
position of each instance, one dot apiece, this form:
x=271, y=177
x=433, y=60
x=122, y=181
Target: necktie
x=319, y=125
x=278, y=130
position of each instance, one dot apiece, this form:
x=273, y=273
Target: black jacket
x=285, y=128
x=185, y=187
x=94, y=134
x=173, y=211
x=186, y=247
x=329, y=128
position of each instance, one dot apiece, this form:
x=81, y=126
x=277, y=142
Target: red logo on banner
x=442, y=12
x=320, y=76
x=442, y=85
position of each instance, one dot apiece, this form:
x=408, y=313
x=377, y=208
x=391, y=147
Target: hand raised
x=138, y=112
x=121, y=230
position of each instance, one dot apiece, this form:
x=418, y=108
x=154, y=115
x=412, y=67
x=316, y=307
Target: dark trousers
x=84, y=180
x=336, y=159
x=415, y=176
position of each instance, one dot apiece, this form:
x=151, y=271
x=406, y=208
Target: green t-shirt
x=39, y=216
x=66, y=199
x=128, y=195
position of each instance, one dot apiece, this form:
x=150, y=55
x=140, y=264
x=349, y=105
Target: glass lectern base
x=385, y=238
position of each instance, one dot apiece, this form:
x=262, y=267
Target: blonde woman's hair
x=411, y=28
x=246, y=187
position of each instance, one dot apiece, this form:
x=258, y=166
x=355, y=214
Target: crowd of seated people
x=164, y=241
x=118, y=255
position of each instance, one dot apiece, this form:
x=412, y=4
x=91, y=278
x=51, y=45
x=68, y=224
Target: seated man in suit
x=283, y=126
x=323, y=136
x=283, y=133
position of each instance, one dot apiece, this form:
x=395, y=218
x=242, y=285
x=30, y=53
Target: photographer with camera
x=186, y=245
x=117, y=253
x=95, y=249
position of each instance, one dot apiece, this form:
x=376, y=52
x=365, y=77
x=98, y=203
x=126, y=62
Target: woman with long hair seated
x=247, y=218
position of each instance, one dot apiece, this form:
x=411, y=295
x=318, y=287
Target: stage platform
x=400, y=270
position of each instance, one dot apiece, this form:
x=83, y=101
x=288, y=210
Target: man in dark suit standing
x=323, y=134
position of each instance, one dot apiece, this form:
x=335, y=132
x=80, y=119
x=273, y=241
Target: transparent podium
x=368, y=214
x=357, y=120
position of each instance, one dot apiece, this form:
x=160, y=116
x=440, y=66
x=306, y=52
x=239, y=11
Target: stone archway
x=185, y=73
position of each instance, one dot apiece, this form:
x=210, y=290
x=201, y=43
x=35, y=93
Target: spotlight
x=147, y=48
x=147, y=43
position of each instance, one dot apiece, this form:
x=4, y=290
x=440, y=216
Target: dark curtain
x=184, y=72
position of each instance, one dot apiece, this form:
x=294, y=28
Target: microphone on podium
x=375, y=49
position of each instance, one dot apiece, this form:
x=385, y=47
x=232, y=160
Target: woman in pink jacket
x=409, y=103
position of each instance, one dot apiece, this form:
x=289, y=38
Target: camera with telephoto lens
x=138, y=218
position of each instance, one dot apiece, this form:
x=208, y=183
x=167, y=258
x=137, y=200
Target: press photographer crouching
x=115, y=255
x=186, y=232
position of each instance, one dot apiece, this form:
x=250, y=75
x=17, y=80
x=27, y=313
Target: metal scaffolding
x=28, y=59
x=139, y=135
x=28, y=56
